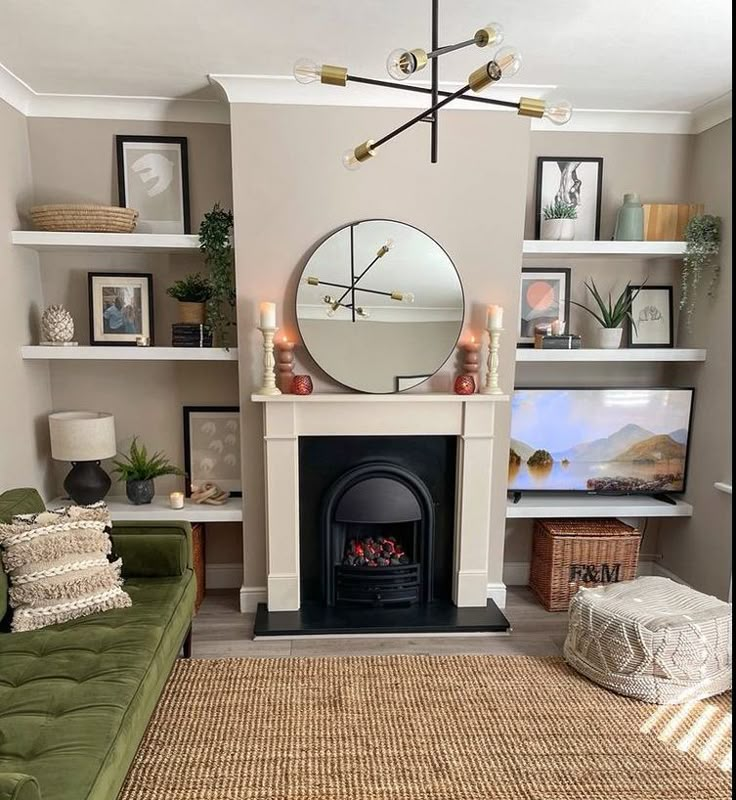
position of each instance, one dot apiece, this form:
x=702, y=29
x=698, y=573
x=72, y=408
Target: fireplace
x=377, y=526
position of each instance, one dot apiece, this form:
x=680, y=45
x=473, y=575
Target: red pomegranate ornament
x=301, y=384
x=464, y=384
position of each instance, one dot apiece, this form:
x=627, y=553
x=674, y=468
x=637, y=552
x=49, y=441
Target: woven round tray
x=90, y=218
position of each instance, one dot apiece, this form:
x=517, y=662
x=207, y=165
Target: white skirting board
x=223, y=576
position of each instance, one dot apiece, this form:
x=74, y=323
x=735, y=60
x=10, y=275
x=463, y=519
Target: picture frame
x=212, y=447
x=574, y=179
x=653, y=312
x=120, y=307
x=544, y=297
x=153, y=178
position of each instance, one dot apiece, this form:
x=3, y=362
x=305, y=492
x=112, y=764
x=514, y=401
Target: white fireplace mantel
x=470, y=418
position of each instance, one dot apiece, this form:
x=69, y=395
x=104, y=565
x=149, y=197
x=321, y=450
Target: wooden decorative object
x=471, y=360
x=199, y=563
x=570, y=553
x=666, y=222
x=285, y=365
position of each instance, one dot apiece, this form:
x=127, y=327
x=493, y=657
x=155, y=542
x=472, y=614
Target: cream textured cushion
x=58, y=566
x=652, y=639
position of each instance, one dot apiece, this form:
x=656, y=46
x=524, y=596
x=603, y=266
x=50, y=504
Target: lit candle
x=176, y=499
x=268, y=315
x=494, y=321
x=557, y=327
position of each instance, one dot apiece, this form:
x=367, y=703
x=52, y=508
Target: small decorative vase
x=191, y=313
x=301, y=384
x=464, y=384
x=139, y=492
x=558, y=230
x=630, y=220
x=609, y=338
x=57, y=326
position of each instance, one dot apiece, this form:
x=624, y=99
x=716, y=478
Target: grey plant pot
x=139, y=492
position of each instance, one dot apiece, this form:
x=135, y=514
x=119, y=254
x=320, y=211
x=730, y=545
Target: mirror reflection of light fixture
x=403, y=63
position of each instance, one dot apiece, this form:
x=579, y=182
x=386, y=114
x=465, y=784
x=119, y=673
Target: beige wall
x=25, y=398
x=699, y=550
x=74, y=160
x=290, y=190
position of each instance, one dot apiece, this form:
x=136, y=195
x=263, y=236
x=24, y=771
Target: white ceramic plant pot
x=609, y=338
x=558, y=229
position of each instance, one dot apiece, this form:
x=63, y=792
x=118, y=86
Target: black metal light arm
x=355, y=282
x=440, y=51
x=356, y=288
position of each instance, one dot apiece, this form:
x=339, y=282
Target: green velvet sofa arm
x=153, y=549
x=16, y=786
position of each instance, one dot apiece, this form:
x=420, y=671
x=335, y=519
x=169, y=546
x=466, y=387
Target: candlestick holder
x=471, y=361
x=269, y=362
x=491, y=384
x=285, y=365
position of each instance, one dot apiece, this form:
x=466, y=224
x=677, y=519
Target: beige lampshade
x=82, y=435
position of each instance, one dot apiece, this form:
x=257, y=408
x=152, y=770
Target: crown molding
x=14, y=91
x=713, y=113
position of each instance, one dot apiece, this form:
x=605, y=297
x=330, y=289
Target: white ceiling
x=654, y=55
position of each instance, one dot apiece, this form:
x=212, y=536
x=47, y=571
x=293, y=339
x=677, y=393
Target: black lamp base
x=87, y=482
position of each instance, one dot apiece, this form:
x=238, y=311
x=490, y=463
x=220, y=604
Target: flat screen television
x=603, y=441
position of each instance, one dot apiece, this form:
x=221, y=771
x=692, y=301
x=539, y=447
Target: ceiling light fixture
x=402, y=64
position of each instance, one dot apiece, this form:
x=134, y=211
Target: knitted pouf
x=652, y=639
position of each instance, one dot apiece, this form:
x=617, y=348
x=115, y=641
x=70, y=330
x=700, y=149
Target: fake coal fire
x=383, y=551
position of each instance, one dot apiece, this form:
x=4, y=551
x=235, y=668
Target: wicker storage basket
x=569, y=553
x=87, y=218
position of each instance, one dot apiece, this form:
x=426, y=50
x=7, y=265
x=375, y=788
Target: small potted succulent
x=610, y=315
x=138, y=470
x=192, y=292
x=559, y=221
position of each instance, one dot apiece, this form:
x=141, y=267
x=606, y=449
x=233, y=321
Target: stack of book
x=185, y=335
x=567, y=341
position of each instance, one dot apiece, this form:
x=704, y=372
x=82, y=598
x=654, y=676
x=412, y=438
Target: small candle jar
x=557, y=327
x=176, y=500
x=142, y=341
x=464, y=384
x=301, y=384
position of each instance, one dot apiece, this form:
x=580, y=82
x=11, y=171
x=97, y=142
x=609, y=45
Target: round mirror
x=380, y=306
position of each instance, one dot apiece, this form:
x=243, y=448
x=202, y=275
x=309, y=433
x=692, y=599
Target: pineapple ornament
x=57, y=327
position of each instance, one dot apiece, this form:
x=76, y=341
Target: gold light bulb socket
x=312, y=281
x=485, y=36
x=397, y=296
x=531, y=107
x=335, y=76
x=382, y=250
x=420, y=58
x=364, y=151
x=484, y=76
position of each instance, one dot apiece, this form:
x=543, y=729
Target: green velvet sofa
x=75, y=698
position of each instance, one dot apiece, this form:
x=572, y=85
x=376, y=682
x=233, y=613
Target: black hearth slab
x=439, y=617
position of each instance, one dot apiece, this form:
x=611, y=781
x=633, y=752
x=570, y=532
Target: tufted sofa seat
x=75, y=698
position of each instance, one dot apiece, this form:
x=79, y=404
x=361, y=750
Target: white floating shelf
x=661, y=354
x=159, y=510
x=106, y=242
x=563, y=505
x=101, y=353
x=532, y=247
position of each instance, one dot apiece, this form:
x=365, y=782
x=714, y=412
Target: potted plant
x=215, y=242
x=702, y=245
x=192, y=292
x=138, y=470
x=610, y=315
x=559, y=221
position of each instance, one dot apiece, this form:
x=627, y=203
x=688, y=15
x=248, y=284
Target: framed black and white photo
x=575, y=181
x=212, y=447
x=120, y=307
x=545, y=297
x=652, y=313
x=153, y=178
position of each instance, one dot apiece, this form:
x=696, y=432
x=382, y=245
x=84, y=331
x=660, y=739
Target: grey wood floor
x=221, y=631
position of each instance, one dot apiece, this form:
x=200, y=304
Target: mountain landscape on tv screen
x=632, y=459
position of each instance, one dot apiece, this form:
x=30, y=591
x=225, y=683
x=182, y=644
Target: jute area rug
x=421, y=728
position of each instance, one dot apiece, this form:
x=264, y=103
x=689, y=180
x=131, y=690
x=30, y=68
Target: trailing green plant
x=137, y=465
x=702, y=245
x=194, y=288
x=215, y=242
x=611, y=314
x=560, y=210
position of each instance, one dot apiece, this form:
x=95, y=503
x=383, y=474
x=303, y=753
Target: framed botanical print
x=120, y=307
x=652, y=314
x=545, y=297
x=575, y=181
x=212, y=447
x=153, y=178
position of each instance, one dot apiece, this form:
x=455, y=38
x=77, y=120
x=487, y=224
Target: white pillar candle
x=268, y=315
x=494, y=321
x=557, y=327
x=176, y=499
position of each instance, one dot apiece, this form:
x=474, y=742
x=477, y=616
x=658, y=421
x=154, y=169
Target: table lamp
x=84, y=438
